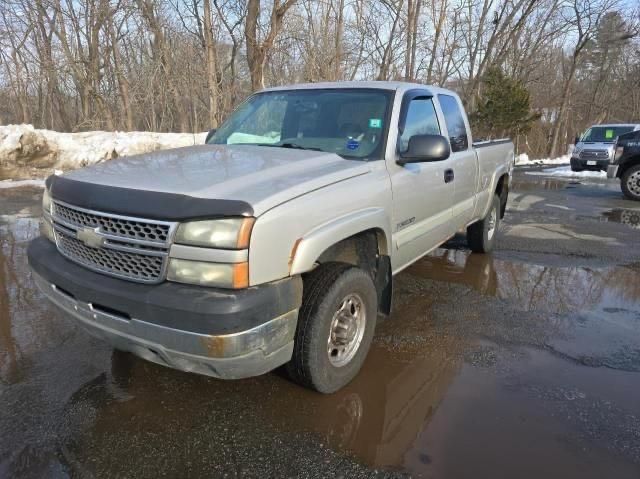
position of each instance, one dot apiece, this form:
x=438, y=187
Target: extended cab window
x=421, y=120
x=350, y=123
x=455, y=123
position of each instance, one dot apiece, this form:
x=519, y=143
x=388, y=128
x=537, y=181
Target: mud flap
x=384, y=284
x=504, y=196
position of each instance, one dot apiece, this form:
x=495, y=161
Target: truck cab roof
x=380, y=85
x=636, y=126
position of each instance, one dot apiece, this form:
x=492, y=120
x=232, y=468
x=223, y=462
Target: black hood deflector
x=142, y=203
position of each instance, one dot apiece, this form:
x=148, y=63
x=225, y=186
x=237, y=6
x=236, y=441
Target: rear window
x=455, y=123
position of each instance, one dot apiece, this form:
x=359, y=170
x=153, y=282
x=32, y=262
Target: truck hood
x=595, y=145
x=263, y=177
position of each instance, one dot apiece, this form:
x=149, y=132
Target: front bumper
x=584, y=164
x=612, y=171
x=220, y=333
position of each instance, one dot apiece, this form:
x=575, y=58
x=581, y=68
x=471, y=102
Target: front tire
x=481, y=235
x=576, y=169
x=335, y=327
x=630, y=183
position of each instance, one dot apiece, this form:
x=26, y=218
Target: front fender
x=318, y=240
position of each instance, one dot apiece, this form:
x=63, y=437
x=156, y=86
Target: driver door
x=422, y=192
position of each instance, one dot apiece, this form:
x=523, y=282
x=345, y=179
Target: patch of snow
x=20, y=183
x=523, y=160
x=23, y=146
x=565, y=171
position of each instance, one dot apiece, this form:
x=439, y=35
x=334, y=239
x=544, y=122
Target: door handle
x=448, y=175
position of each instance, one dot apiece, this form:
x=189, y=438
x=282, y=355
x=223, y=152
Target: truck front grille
x=128, y=248
x=117, y=226
x=594, y=155
x=133, y=266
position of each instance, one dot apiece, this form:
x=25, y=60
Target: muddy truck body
x=625, y=164
x=276, y=242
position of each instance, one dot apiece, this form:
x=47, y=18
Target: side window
x=455, y=123
x=421, y=120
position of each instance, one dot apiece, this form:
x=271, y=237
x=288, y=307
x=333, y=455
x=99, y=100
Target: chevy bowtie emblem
x=90, y=237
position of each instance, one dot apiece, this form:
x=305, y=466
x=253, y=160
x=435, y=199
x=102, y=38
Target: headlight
x=222, y=275
x=228, y=233
x=46, y=202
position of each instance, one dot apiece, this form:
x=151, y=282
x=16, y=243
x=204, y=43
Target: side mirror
x=576, y=140
x=423, y=148
x=210, y=134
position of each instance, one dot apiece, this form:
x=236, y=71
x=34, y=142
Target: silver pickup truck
x=276, y=242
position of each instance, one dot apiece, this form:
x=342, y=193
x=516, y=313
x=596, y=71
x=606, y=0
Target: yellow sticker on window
x=608, y=134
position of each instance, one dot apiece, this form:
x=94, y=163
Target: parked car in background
x=277, y=241
x=594, y=149
x=625, y=164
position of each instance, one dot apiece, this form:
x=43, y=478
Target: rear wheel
x=630, y=183
x=481, y=235
x=335, y=327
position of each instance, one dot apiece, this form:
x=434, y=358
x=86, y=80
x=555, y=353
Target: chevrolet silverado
x=276, y=242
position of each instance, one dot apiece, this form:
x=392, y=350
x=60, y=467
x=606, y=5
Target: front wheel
x=335, y=327
x=481, y=235
x=630, y=183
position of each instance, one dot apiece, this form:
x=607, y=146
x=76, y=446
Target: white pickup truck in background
x=277, y=241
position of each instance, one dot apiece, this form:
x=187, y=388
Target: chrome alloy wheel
x=493, y=221
x=346, y=331
x=633, y=183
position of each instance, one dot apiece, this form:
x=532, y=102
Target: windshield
x=605, y=133
x=348, y=122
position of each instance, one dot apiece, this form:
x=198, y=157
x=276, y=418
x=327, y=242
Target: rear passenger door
x=422, y=196
x=463, y=161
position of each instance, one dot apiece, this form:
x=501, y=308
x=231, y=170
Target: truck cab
x=594, y=149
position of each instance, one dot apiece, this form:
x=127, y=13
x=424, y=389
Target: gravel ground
x=523, y=363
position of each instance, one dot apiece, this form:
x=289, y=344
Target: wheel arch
x=360, y=239
x=629, y=163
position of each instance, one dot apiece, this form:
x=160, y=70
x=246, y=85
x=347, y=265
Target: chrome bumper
x=231, y=356
x=612, y=171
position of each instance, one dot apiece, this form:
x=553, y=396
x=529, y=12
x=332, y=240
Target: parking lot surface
x=523, y=363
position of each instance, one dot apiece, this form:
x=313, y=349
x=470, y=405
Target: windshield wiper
x=290, y=145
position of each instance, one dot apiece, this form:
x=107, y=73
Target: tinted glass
x=605, y=133
x=455, y=122
x=351, y=123
x=421, y=120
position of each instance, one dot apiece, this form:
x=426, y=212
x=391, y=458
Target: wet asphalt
x=523, y=363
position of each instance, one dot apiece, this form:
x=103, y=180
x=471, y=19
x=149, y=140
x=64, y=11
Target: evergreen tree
x=503, y=107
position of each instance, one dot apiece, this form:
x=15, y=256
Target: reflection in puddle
x=378, y=416
x=16, y=298
x=542, y=184
x=628, y=217
x=534, y=287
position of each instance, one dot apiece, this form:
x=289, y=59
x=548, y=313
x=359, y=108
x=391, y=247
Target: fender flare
x=318, y=240
x=500, y=172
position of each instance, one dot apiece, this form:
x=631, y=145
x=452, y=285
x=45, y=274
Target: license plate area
x=592, y=163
